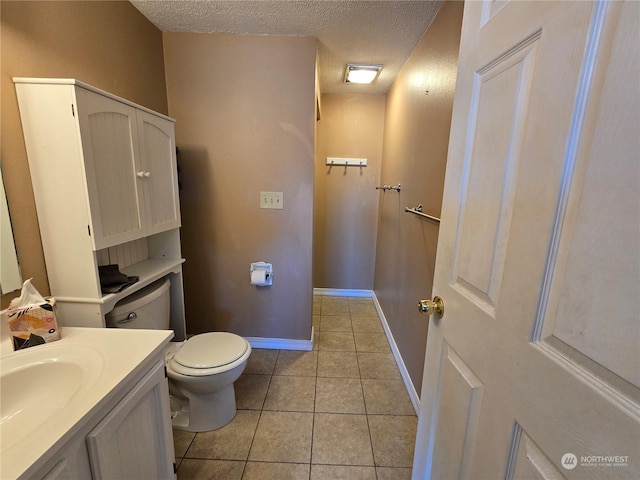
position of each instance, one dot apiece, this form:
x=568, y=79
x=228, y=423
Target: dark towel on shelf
x=112, y=280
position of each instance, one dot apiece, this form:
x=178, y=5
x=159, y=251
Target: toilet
x=201, y=370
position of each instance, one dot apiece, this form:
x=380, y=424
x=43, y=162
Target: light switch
x=273, y=200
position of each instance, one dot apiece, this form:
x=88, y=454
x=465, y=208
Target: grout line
x=244, y=468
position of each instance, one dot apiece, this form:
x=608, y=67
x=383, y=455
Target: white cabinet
x=118, y=156
x=133, y=440
x=130, y=168
x=105, y=183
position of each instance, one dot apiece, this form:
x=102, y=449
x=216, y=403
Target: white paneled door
x=534, y=370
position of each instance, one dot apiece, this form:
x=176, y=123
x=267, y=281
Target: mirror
x=10, y=279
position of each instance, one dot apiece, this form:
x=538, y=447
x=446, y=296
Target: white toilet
x=201, y=370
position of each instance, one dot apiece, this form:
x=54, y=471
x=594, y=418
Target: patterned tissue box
x=33, y=324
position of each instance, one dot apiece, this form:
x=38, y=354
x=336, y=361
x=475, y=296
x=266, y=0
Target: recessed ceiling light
x=362, y=74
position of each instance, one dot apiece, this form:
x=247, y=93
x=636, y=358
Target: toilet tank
x=147, y=308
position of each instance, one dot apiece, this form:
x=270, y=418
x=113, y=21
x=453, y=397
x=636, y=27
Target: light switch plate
x=272, y=200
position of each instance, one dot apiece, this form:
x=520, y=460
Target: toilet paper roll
x=259, y=277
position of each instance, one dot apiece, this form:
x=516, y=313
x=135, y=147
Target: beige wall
x=418, y=117
x=106, y=44
x=245, y=120
x=346, y=201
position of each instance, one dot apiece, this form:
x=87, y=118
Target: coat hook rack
x=397, y=188
x=346, y=162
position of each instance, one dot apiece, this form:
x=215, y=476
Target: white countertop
x=125, y=354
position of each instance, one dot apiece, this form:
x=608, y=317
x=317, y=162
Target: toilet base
x=205, y=412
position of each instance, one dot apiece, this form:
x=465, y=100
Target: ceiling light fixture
x=362, y=74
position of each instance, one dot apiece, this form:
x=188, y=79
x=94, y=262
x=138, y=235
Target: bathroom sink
x=37, y=384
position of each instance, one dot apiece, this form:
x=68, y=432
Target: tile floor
x=340, y=411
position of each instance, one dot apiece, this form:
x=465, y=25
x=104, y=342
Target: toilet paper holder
x=261, y=274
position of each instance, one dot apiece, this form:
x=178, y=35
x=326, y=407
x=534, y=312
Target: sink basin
x=38, y=383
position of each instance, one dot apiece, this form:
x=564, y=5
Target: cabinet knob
x=140, y=174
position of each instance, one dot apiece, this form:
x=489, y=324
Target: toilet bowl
x=201, y=370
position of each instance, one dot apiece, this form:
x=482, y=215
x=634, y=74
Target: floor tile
x=335, y=307
x=338, y=364
x=261, y=361
x=181, y=442
x=251, y=391
x=293, y=362
x=337, y=341
x=393, y=439
x=386, y=397
x=231, y=442
x=392, y=473
x=371, y=342
x=341, y=440
x=367, y=300
x=283, y=437
x=339, y=395
x=342, y=472
x=335, y=323
x=316, y=339
x=334, y=299
x=363, y=309
x=191, y=469
x=292, y=394
x=275, y=471
x=366, y=324
x=378, y=365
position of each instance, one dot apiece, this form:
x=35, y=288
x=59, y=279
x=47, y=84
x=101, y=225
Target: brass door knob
x=432, y=307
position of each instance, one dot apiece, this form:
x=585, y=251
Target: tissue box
x=33, y=325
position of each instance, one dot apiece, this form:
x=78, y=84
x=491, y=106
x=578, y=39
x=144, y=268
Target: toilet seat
x=209, y=354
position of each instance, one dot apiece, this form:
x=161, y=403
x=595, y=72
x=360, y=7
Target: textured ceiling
x=367, y=31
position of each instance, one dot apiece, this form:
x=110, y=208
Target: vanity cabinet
x=105, y=182
x=133, y=440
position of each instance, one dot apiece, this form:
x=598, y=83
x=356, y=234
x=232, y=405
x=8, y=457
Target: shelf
x=148, y=272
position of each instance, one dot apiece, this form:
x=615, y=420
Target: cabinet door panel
x=158, y=159
x=110, y=146
x=135, y=439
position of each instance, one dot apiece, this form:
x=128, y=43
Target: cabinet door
x=160, y=177
x=110, y=148
x=70, y=461
x=135, y=440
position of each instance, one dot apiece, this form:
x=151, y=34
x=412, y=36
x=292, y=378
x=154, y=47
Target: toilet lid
x=210, y=350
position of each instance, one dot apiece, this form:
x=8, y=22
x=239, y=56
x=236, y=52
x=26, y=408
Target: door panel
x=500, y=96
x=110, y=146
x=157, y=150
x=530, y=463
x=457, y=414
x=540, y=228
x=601, y=223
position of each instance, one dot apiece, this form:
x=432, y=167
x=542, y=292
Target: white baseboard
x=411, y=390
x=281, y=343
x=339, y=292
